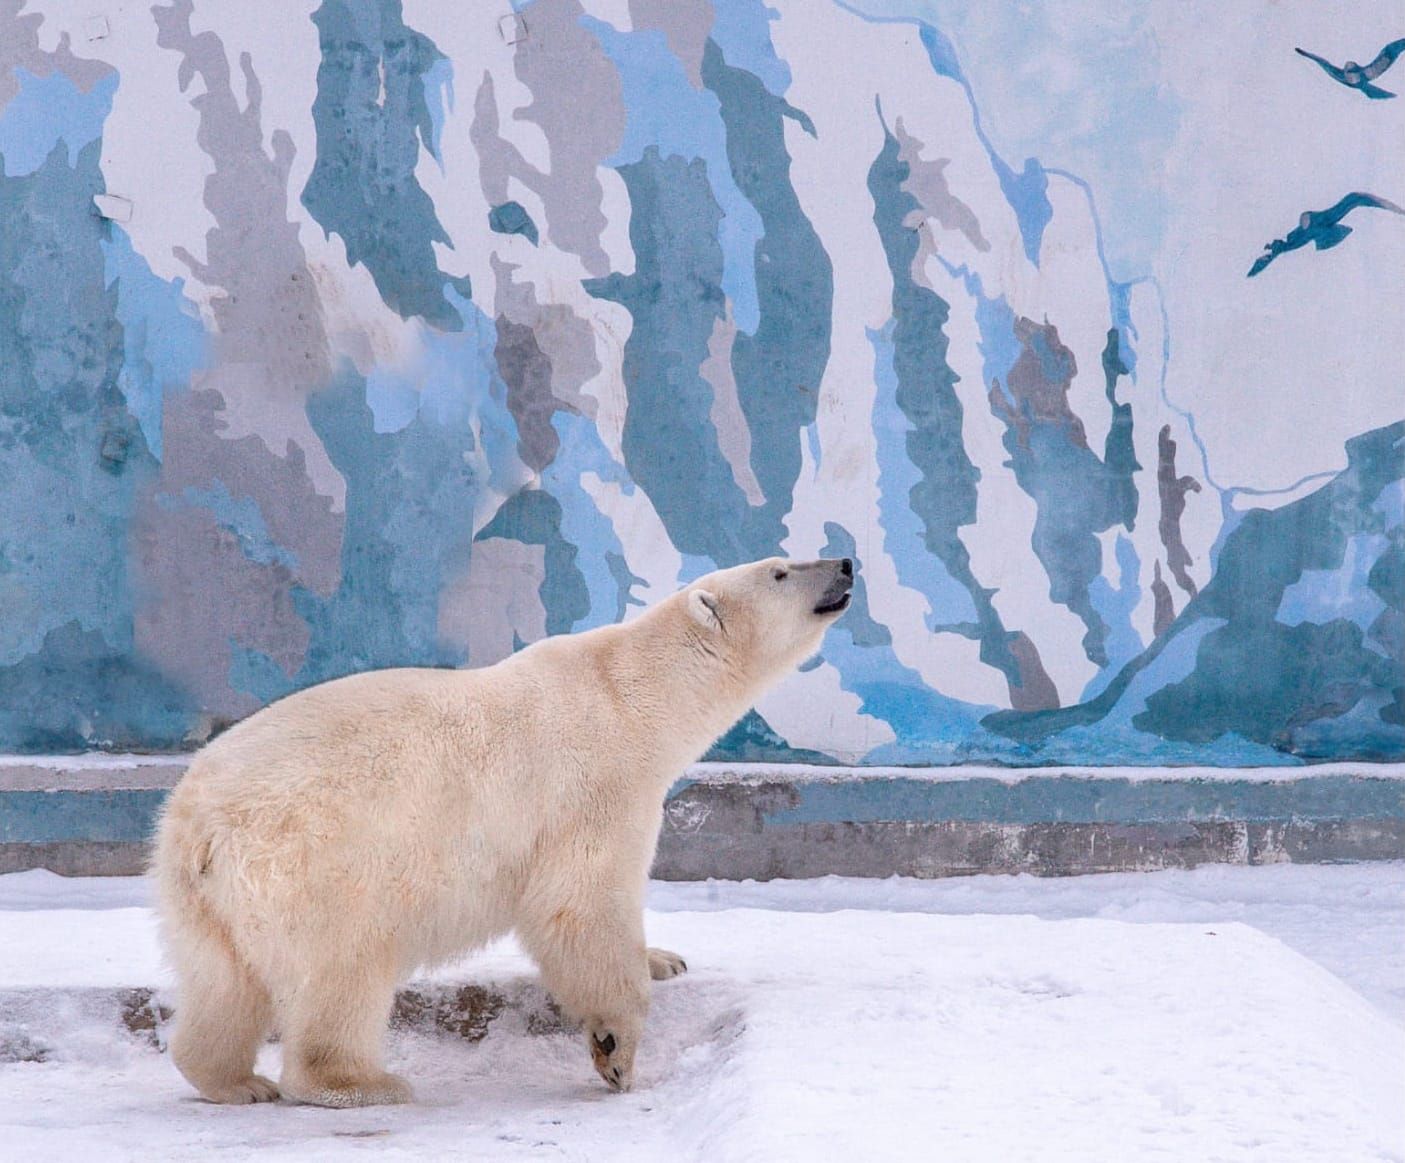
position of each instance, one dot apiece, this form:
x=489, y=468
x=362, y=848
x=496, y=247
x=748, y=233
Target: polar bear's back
x=384, y=792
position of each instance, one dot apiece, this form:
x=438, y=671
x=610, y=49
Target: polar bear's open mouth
x=836, y=595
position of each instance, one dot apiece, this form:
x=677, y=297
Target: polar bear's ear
x=703, y=608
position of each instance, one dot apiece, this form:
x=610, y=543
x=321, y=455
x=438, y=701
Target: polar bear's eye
x=779, y=574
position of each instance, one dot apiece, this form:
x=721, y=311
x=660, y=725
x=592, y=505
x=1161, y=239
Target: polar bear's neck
x=677, y=689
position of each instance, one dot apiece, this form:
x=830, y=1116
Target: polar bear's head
x=769, y=616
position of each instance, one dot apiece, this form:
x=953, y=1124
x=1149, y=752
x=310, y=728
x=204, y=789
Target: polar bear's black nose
x=846, y=567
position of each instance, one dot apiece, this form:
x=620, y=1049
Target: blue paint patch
x=1390, y=505
x=625, y=581
x=742, y=31
x=692, y=566
x=753, y=740
x=942, y=53
x=778, y=367
x=1077, y=494
x=1028, y=194
x=393, y=401
x=1320, y=595
x=372, y=116
x=1174, y=664
x=48, y=110
x=1115, y=607
x=996, y=322
x=581, y=523
x=453, y=381
x=533, y=517
x=411, y=496
x=930, y=727
x=948, y=601
x=512, y=218
x=73, y=464
x=439, y=100
x=1258, y=687
x=164, y=340
x=812, y=441
x=675, y=298
x=664, y=112
x=254, y=673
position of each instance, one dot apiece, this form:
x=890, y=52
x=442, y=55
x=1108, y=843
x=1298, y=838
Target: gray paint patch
x=1036, y=691
x=497, y=603
x=533, y=517
x=546, y=355
x=527, y=373
x=733, y=435
x=1164, y=608
x=199, y=457
x=685, y=24
x=566, y=70
x=1172, y=490
x=927, y=183
x=19, y=49
x=1049, y=452
x=208, y=613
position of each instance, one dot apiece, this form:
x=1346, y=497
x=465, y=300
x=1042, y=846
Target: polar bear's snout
x=835, y=597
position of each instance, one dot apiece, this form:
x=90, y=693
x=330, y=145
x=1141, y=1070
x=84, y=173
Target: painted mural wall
x=357, y=333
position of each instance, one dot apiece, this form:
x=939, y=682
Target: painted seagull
x=1322, y=227
x=1359, y=77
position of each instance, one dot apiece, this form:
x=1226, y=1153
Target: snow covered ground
x=1121, y=1017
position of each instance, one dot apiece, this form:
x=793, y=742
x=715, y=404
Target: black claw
x=606, y=1044
x=682, y=966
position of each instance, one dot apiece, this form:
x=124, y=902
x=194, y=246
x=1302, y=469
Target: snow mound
x=846, y=1035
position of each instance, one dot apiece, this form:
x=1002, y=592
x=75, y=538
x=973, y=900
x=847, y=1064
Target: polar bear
x=319, y=851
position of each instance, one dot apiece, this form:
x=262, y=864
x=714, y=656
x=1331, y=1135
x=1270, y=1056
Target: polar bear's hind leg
x=334, y=1027
x=222, y=1016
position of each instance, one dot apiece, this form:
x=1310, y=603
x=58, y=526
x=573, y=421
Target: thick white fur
x=319, y=851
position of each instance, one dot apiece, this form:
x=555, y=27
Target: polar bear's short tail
x=223, y=1012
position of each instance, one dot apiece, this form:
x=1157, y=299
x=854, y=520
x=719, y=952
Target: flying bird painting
x=1359, y=77
x=1321, y=227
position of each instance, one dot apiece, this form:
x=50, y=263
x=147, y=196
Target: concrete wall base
x=93, y=816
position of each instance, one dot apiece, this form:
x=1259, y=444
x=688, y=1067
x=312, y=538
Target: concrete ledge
x=93, y=815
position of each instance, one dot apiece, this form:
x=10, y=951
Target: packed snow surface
x=825, y=1019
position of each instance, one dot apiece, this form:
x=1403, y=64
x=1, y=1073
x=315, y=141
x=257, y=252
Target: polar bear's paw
x=255, y=1088
x=663, y=964
x=613, y=1058
x=373, y=1090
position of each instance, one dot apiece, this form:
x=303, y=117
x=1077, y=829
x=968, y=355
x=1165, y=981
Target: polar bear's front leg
x=593, y=962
